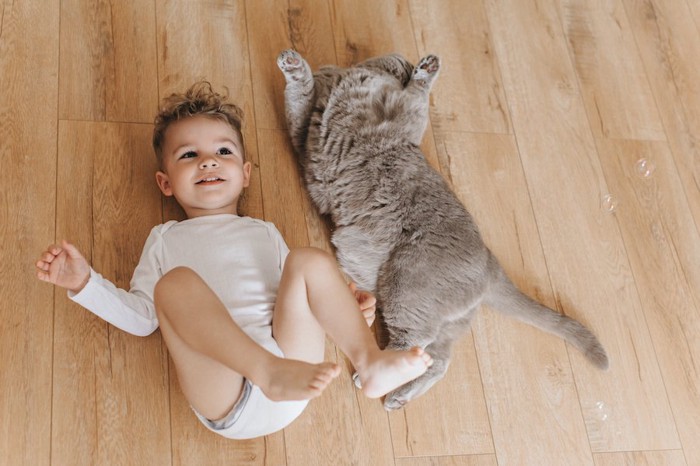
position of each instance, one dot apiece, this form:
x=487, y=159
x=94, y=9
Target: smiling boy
x=244, y=319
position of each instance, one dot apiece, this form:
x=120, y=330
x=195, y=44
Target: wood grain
x=669, y=44
x=655, y=220
x=541, y=109
x=527, y=376
x=585, y=254
x=276, y=25
x=123, y=378
x=108, y=66
x=468, y=95
x=641, y=458
x=28, y=132
x=477, y=460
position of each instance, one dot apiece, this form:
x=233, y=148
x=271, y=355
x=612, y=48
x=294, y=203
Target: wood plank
x=663, y=245
x=661, y=238
x=668, y=41
x=609, y=70
x=108, y=61
x=583, y=249
x=641, y=458
x=476, y=103
x=188, y=54
x=526, y=374
x=580, y=53
x=363, y=436
x=476, y=460
x=361, y=30
x=132, y=389
x=75, y=433
x=454, y=411
x=276, y=25
x=28, y=132
x=123, y=411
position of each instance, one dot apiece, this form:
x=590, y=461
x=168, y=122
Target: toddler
x=244, y=318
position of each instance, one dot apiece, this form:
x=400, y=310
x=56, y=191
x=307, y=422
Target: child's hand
x=367, y=302
x=63, y=266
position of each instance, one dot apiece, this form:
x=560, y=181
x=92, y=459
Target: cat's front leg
x=425, y=72
x=294, y=67
x=415, y=104
x=298, y=94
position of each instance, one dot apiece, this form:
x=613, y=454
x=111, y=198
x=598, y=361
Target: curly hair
x=199, y=99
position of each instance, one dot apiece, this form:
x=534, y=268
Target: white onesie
x=241, y=260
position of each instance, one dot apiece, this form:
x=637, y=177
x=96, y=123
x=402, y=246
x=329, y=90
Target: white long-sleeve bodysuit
x=239, y=258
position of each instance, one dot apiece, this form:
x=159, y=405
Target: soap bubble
x=609, y=203
x=644, y=168
x=601, y=411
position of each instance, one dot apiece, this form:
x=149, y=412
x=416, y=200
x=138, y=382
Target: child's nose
x=208, y=162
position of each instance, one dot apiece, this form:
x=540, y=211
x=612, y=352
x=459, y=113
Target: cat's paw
x=426, y=71
x=290, y=62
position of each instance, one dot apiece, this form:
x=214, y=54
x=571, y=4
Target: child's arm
x=132, y=311
x=64, y=266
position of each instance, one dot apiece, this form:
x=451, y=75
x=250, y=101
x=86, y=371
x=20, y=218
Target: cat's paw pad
x=426, y=70
x=289, y=61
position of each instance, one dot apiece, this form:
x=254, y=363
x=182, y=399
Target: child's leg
x=211, y=352
x=312, y=298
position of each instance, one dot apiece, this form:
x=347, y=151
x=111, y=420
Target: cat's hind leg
x=399, y=397
x=298, y=94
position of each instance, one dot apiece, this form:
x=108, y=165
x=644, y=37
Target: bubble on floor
x=609, y=203
x=601, y=411
x=644, y=168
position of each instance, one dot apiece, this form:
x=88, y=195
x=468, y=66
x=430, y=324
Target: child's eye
x=224, y=151
x=188, y=155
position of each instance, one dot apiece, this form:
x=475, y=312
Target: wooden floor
x=540, y=118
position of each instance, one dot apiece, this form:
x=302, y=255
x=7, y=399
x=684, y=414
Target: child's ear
x=164, y=183
x=246, y=174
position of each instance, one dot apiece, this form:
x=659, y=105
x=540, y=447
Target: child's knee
x=172, y=282
x=303, y=258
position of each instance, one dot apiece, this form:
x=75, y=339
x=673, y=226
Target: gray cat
x=399, y=229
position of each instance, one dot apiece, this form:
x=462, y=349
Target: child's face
x=203, y=166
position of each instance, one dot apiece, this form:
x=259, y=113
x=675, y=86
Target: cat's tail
x=505, y=297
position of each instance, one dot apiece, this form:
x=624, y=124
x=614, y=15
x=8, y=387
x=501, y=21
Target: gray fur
x=399, y=229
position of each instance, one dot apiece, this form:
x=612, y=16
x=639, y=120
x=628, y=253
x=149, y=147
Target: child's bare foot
x=289, y=379
x=391, y=369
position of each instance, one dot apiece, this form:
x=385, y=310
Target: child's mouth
x=210, y=180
